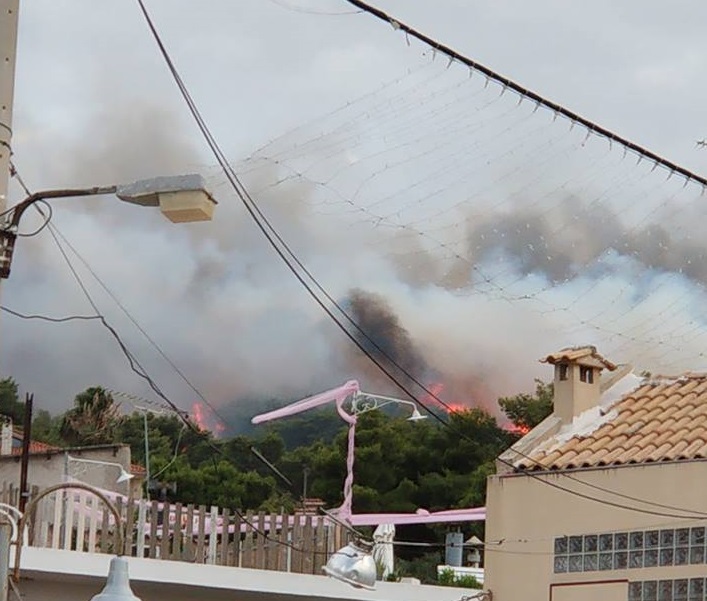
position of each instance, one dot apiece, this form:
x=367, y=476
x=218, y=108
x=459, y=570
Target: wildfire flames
x=198, y=415
x=435, y=399
x=522, y=430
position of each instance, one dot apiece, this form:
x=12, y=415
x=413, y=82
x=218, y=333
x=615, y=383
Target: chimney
x=576, y=381
x=5, y=435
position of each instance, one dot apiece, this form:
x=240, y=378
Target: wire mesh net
x=532, y=224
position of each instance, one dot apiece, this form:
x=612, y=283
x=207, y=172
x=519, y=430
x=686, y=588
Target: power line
x=56, y=233
x=140, y=371
x=523, y=92
x=292, y=262
x=48, y=318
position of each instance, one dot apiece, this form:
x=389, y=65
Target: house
x=99, y=465
x=607, y=497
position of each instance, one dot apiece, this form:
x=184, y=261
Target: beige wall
x=48, y=469
x=604, y=591
x=528, y=514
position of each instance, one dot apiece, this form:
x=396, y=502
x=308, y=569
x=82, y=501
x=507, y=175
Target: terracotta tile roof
x=584, y=355
x=137, y=470
x=663, y=419
x=35, y=447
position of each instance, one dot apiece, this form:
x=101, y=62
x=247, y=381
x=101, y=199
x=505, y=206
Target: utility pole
x=26, y=438
x=9, y=12
x=147, y=452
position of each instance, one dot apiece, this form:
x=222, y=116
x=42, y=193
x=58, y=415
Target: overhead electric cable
x=273, y=238
x=49, y=318
x=252, y=210
x=524, y=92
x=56, y=233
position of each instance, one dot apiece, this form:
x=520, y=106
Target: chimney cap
x=580, y=355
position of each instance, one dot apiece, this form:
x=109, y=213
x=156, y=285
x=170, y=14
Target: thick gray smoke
x=466, y=310
x=562, y=243
x=386, y=340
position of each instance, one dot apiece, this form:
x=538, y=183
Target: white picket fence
x=77, y=520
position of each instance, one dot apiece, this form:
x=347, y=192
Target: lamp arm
x=19, y=209
x=32, y=505
x=364, y=402
x=8, y=228
x=95, y=462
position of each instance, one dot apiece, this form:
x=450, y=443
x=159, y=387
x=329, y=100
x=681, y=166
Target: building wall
x=57, y=575
x=48, y=469
x=529, y=515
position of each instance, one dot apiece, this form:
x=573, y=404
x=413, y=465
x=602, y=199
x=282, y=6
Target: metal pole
x=147, y=457
x=64, y=501
x=5, y=538
x=26, y=437
x=305, y=474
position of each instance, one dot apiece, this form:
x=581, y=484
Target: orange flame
x=436, y=389
x=198, y=414
x=522, y=430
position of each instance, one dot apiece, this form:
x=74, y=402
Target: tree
x=10, y=405
x=527, y=410
x=46, y=428
x=92, y=420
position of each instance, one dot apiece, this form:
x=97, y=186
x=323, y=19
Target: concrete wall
x=527, y=515
x=53, y=575
x=48, y=469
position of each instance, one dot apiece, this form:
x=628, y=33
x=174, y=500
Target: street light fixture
x=354, y=565
x=123, y=477
x=363, y=402
x=117, y=587
x=181, y=198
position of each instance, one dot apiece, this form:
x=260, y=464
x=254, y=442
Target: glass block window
x=631, y=550
x=683, y=589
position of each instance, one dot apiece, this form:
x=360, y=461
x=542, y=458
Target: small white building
x=49, y=465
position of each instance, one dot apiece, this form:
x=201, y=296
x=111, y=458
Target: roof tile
x=661, y=420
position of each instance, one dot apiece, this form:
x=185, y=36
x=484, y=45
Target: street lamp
x=123, y=477
x=181, y=198
x=363, y=402
x=354, y=563
x=146, y=430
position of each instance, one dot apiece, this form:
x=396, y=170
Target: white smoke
x=485, y=234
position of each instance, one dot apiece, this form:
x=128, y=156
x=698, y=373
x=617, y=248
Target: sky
x=94, y=104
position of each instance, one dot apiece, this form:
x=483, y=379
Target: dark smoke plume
x=394, y=346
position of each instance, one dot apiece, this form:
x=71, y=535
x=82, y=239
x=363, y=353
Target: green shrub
x=448, y=578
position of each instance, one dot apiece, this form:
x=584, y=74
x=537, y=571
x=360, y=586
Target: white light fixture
x=117, y=587
x=363, y=402
x=124, y=476
x=354, y=565
x=181, y=198
x=416, y=416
